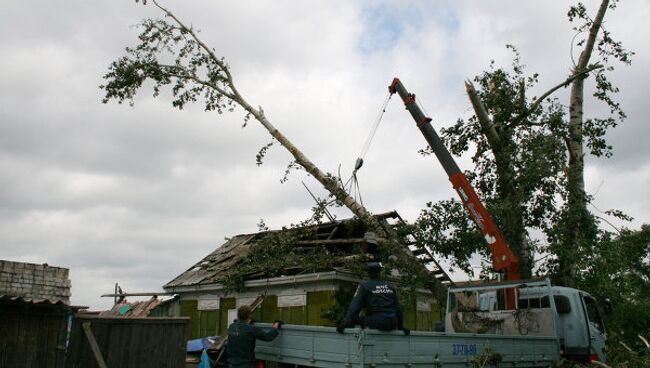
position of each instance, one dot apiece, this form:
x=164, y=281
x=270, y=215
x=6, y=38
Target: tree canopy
x=524, y=150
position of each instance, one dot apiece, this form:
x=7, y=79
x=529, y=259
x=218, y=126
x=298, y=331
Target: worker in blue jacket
x=379, y=299
x=241, y=338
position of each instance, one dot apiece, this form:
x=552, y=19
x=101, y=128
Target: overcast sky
x=136, y=195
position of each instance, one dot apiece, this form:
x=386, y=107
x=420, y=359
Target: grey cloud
x=137, y=195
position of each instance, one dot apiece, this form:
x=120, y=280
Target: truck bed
x=314, y=346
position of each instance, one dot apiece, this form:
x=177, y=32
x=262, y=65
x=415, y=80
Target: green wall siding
x=214, y=322
x=317, y=302
x=225, y=305
x=293, y=315
x=208, y=323
x=424, y=322
x=268, y=311
x=410, y=321
x=189, y=309
x=437, y=312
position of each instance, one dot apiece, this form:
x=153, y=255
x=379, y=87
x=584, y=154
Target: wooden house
x=301, y=292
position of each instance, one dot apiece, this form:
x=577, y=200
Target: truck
x=549, y=323
x=514, y=322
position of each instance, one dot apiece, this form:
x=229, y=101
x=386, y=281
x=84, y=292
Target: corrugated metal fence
x=127, y=342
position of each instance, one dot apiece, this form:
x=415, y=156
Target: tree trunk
x=332, y=185
x=577, y=199
x=328, y=181
x=511, y=216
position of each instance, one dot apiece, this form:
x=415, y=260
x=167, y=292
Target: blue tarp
x=205, y=361
x=197, y=345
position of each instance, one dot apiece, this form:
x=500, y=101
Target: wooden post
x=93, y=345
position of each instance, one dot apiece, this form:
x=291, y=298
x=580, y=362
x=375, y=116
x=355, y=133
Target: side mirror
x=438, y=327
x=608, y=308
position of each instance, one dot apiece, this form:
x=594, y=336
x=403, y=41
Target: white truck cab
x=571, y=315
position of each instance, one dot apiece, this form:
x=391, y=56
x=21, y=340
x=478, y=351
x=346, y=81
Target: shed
x=34, y=311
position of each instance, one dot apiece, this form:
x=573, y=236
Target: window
x=562, y=303
x=592, y=313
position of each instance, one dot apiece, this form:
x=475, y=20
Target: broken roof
x=132, y=309
x=341, y=236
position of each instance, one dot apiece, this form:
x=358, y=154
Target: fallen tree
x=170, y=54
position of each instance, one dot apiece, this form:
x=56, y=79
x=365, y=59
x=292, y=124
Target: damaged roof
x=133, y=309
x=335, y=234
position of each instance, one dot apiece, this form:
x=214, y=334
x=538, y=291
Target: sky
x=138, y=194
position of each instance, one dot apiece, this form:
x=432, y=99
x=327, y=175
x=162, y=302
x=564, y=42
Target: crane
x=504, y=261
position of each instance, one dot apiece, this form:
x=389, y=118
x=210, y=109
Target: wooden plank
x=149, y=335
x=93, y=345
x=48, y=339
x=180, y=343
x=332, y=242
x=331, y=235
x=113, y=333
x=135, y=345
x=419, y=251
x=144, y=293
x=30, y=337
x=20, y=340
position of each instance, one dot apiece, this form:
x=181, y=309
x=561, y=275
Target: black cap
x=374, y=268
x=374, y=265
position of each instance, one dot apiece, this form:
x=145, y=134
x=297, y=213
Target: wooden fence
x=32, y=335
x=115, y=342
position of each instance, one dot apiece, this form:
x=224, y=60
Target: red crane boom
x=503, y=259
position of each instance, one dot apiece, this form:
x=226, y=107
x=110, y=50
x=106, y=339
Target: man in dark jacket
x=241, y=339
x=380, y=302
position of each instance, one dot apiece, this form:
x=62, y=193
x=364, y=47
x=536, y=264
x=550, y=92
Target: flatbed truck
x=550, y=323
x=514, y=323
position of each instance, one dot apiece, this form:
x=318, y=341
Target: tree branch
x=196, y=80
x=539, y=100
x=566, y=83
x=229, y=79
x=585, y=55
x=214, y=57
x=483, y=118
